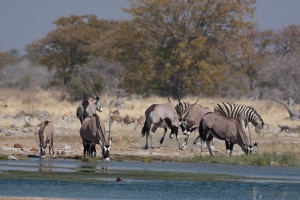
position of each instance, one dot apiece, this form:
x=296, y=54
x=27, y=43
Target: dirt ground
x=23, y=142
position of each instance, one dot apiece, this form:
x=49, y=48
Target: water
x=239, y=182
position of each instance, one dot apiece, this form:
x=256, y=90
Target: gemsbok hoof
x=183, y=147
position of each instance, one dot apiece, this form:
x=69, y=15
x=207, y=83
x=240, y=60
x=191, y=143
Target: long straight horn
x=168, y=98
x=109, y=112
x=189, y=109
x=84, y=84
x=179, y=98
x=97, y=96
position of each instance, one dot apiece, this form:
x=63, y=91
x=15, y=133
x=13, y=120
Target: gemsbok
x=160, y=116
x=46, y=133
x=88, y=107
x=92, y=132
x=213, y=125
x=190, y=117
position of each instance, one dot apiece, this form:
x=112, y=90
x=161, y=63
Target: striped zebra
x=190, y=116
x=241, y=112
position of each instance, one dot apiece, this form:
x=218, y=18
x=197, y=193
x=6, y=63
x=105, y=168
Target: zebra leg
x=163, y=137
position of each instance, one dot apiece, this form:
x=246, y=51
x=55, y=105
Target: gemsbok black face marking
x=92, y=132
x=46, y=133
x=160, y=116
x=88, y=107
x=217, y=126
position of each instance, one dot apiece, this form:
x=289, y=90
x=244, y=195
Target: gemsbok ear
x=255, y=144
x=245, y=146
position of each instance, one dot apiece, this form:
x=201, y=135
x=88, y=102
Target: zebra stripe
x=240, y=111
x=182, y=107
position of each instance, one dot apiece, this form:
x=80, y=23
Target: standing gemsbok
x=88, y=107
x=160, y=116
x=190, y=117
x=46, y=133
x=92, y=132
x=213, y=125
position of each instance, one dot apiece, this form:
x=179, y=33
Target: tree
x=275, y=62
x=194, y=43
x=70, y=44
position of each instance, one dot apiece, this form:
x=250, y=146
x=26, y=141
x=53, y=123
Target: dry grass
x=62, y=113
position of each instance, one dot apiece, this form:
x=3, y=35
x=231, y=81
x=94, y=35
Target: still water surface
x=242, y=182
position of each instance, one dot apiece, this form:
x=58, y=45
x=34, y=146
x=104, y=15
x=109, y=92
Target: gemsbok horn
x=88, y=106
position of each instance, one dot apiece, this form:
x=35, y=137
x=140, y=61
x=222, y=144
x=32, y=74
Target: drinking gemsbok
x=46, y=133
x=92, y=132
x=213, y=125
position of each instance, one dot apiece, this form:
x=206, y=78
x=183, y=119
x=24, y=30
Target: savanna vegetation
x=276, y=147
x=207, y=49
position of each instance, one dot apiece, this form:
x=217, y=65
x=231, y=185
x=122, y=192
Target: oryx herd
x=226, y=122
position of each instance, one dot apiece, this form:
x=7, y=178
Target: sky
x=24, y=21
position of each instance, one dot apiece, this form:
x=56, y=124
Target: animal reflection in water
x=46, y=133
x=93, y=132
x=45, y=167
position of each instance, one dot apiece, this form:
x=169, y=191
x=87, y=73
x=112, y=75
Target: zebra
x=243, y=113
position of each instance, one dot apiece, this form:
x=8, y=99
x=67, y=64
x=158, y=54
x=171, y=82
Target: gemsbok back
x=46, y=133
x=213, y=125
x=92, y=132
x=160, y=116
x=88, y=107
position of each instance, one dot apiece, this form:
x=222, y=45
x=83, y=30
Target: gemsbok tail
x=147, y=124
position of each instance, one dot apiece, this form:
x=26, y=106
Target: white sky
x=24, y=21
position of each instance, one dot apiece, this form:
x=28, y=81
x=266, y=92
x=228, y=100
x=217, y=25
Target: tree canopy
x=206, y=47
x=70, y=44
x=172, y=43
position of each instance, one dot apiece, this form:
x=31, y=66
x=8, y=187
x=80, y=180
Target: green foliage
x=3, y=157
x=170, y=43
x=264, y=159
x=69, y=45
